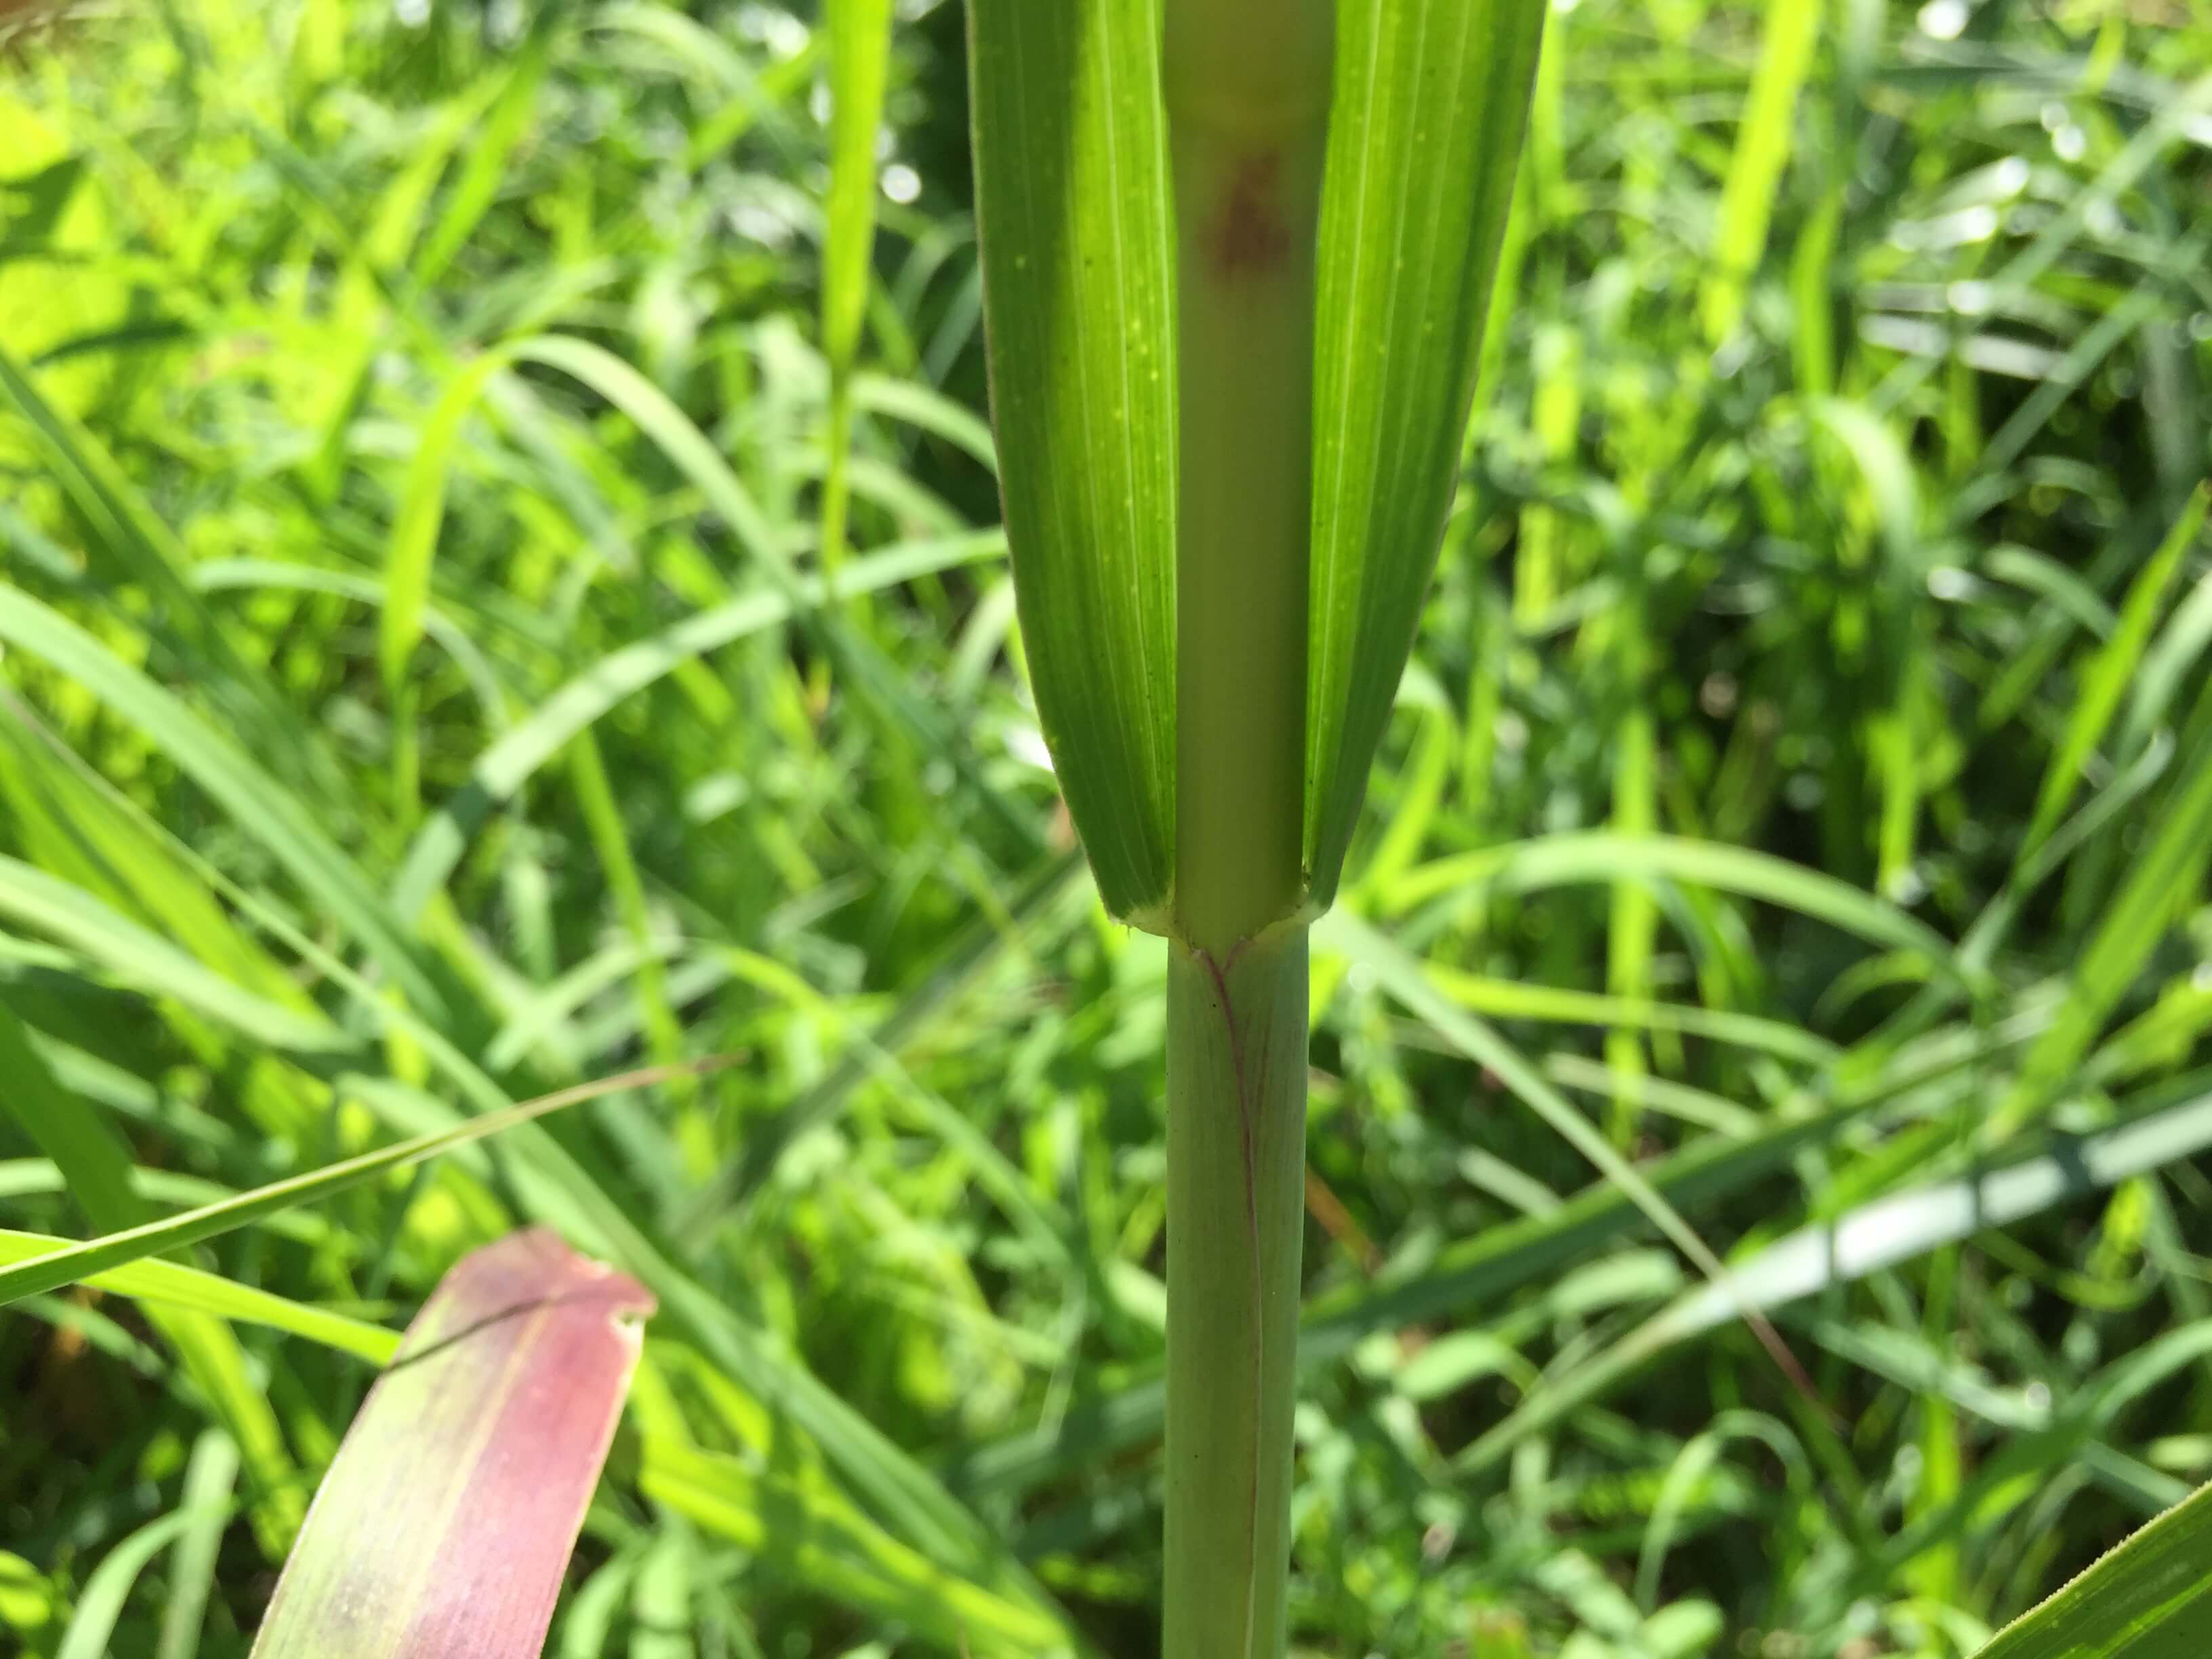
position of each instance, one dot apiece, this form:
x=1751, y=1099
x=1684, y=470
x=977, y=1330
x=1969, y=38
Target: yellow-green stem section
x=1247, y=86
x=1237, y=1110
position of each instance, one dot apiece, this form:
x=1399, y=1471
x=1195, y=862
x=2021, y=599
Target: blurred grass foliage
x=422, y=692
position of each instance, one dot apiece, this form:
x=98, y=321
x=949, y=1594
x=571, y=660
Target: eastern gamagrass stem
x=1247, y=86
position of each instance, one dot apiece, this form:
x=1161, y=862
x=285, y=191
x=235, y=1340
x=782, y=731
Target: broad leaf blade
x=446, y=1524
x=1424, y=137
x=1071, y=194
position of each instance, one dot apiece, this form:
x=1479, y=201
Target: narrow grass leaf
x=2107, y=675
x=445, y=1526
x=210, y=1477
x=260, y=806
x=859, y=67
x=77, y=1262
x=1873, y=1236
x=1600, y=855
x=174, y=1285
x=100, y=1609
x=797, y=1529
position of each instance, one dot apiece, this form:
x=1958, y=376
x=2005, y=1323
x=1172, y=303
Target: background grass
x=418, y=696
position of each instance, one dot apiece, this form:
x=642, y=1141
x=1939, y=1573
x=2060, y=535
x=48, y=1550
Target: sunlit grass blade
x=1425, y=141
x=76, y=1261
x=1756, y=163
x=173, y=1285
x=262, y=806
x=1072, y=194
x=1875, y=1235
x=445, y=1525
x=1600, y=856
x=859, y=66
x=519, y=753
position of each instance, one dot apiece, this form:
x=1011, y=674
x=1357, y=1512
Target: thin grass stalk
x=1247, y=89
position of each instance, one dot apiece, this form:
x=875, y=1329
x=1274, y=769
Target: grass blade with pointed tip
x=67, y=1266
x=445, y=1525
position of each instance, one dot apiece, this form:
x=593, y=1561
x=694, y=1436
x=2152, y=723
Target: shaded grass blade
x=1430, y=101
x=1071, y=198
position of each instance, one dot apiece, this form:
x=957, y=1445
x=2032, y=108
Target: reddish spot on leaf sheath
x=445, y=1525
x=1249, y=237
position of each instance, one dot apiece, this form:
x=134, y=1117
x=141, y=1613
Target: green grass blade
x=1071, y=194
x=1600, y=856
x=100, y=1608
x=2146, y=1599
x=77, y=1262
x=210, y=1477
x=260, y=806
x=1425, y=140
x=178, y=1286
x=1756, y=164
x=153, y=966
x=859, y=67
x=800, y=1530
x=2164, y=874
x=1863, y=1240
x=2107, y=675
x=510, y=761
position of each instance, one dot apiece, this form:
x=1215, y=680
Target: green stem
x=1247, y=86
x=1247, y=89
x=1236, y=1076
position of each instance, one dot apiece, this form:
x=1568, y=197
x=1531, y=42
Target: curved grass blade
x=1071, y=197
x=100, y=1608
x=1425, y=139
x=446, y=1524
x=178, y=1286
x=1600, y=855
x=153, y=966
x=2111, y=669
x=210, y=1478
x=262, y=807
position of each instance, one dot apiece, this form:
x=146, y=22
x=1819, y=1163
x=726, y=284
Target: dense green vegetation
x=414, y=425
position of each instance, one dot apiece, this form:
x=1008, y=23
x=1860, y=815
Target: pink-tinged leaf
x=444, y=1527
